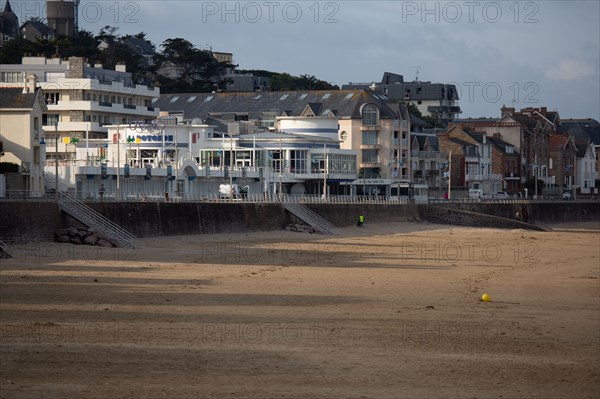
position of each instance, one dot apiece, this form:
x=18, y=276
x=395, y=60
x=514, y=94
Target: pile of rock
x=302, y=228
x=83, y=236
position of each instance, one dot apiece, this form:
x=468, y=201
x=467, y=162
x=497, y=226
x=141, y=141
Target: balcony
x=130, y=106
x=370, y=128
x=482, y=177
x=396, y=142
x=370, y=146
x=512, y=176
x=425, y=154
x=103, y=104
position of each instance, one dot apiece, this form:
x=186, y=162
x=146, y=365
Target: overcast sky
x=526, y=53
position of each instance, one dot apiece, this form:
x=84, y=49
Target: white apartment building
x=191, y=161
x=82, y=99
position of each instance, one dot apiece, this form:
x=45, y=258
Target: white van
x=475, y=193
x=234, y=191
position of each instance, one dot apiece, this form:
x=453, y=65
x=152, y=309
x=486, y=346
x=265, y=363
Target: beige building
x=21, y=111
x=223, y=57
x=82, y=99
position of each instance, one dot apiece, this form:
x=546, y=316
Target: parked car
x=475, y=193
x=567, y=194
x=502, y=195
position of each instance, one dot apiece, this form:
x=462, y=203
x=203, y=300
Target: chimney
x=507, y=110
x=30, y=84
x=497, y=135
x=543, y=110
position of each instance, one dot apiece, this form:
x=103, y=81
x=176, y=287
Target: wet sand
x=385, y=311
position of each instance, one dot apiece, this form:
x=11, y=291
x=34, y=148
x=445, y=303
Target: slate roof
x=347, y=103
x=139, y=45
x=422, y=137
x=13, y=97
x=477, y=136
x=500, y=144
x=582, y=150
x=461, y=142
x=582, y=130
x=41, y=27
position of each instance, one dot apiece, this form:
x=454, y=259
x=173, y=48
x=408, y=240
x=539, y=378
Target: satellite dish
x=196, y=121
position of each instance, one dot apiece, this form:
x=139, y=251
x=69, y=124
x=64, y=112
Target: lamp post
x=56, y=160
x=325, y=167
x=449, y=175
x=535, y=173
x=231, y=165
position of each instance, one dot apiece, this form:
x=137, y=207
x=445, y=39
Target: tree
x=530, y=185
x=183, y=68
x=286, y=82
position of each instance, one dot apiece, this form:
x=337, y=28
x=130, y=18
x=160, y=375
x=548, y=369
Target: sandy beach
x=384, y=311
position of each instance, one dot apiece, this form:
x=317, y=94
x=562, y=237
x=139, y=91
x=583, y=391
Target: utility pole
x=231, y=165
x=281, y=157
x=325, y=167
x=56, y=160
x=118, y=159
x=535, y=177
x=450, y=175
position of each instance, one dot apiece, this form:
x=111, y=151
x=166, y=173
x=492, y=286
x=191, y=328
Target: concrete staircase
x=311, y=218
x=93, y=219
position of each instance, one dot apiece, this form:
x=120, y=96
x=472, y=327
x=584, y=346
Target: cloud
x=570, y=70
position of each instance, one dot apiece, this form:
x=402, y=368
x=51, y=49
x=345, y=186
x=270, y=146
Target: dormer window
x=370, y=115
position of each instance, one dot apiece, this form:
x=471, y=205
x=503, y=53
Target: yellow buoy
x=486, y=298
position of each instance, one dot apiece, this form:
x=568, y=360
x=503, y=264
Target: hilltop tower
x=62, y=16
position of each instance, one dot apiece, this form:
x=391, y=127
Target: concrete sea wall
x=27, y=221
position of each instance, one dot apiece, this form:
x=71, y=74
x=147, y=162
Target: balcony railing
x=103, y=104
x=396, y=142
x=480, y=177
x=128, y=106
x=426, y=154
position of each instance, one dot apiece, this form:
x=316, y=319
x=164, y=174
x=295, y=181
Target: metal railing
x=125, y=196
x=91, y=218
x=311, y=218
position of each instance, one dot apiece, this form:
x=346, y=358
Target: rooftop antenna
x=417, y=78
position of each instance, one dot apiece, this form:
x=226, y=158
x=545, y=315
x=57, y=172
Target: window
x=191, y=99
x=172, y=100
x=283, y=97
x=303, y=96
x=207, y=99
x=325, y=96
x=52, y=98
x=370, y=156
x=50, y=119
x=370, y=115
x=348, y=96
x=258, y=97
x=298, y=161
x=370, y=138
x=53, y=77
x=343, y=135
x=11, y=77
x=36, y=123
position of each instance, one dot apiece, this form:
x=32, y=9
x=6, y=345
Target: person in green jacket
x=361, y=220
